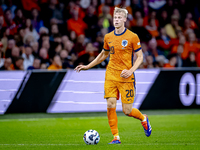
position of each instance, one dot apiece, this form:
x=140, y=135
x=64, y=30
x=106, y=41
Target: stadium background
x=41, y=41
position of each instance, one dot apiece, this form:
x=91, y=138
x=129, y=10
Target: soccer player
x=119, y=78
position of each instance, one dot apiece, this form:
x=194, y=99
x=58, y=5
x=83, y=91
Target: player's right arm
x=101, y=57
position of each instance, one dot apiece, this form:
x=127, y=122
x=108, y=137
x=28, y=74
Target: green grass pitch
x=178, y=129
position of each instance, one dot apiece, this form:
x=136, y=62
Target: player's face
x=119, y=20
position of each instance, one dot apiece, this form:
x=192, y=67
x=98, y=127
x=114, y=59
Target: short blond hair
x=121, y=10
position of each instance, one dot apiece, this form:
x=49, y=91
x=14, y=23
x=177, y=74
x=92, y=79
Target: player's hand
x=81, y=67
x=126, y=73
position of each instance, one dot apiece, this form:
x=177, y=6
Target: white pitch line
x=11, y=79
x=8, y=90
x=28, y=119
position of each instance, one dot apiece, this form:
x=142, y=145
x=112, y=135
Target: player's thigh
x=110, y=89
x=127, y=91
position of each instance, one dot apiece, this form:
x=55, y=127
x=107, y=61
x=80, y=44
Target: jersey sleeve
x=136, y=43
x=105, y=45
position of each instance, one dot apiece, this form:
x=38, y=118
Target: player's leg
x=112, y=119
x=127, y=91
x=133, y=112
x=111, y=94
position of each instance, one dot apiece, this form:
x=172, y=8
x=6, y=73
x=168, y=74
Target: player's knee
x=127, y=111
x=111, y=104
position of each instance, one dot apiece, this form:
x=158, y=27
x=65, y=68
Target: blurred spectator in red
x=80, y=44
x=193, y=25
x=30, y=4
x=28, y=57
x=17, y=64
x=56, y=63
x=182, y=41
x=173, y=28
x=151, y=16
x=36, y=64
x=152, y=28
x=19, y=18
x=164, y=42
x=192, y=44
x=172, y=61
x=76, y=24
x=198, y=59
x=36, y=21
x=79, y=8
x=10, y=24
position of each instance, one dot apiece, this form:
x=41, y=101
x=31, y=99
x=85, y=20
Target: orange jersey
x=121, y=47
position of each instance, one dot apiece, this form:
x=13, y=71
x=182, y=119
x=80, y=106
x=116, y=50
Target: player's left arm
x=127, y=73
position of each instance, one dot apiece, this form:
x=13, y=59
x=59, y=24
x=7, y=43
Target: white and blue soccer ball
x=91, y=137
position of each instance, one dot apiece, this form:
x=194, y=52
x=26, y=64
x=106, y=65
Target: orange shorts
x=126, y=90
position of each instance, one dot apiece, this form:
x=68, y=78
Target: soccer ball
x=91, y=137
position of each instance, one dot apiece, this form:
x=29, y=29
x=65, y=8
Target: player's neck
x=119, y=30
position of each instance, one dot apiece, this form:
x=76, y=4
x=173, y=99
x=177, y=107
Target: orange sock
x=136, y=114
x=112, y=120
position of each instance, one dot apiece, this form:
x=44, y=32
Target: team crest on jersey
x=124, y=43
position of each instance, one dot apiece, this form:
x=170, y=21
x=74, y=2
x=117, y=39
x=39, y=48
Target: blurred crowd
x=60, y=34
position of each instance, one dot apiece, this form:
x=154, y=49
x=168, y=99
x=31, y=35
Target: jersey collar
x=120, y=33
